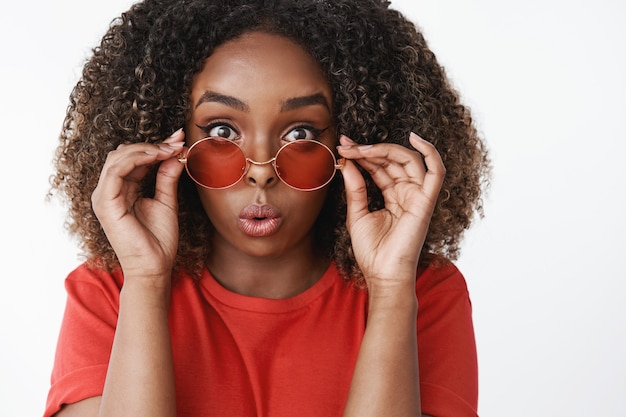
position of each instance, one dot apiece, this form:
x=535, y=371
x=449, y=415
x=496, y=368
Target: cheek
x=217, y=204
x=312, y=201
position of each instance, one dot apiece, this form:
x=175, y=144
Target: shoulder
x=89, y=277
x=91, y=273
x=438, y=277
x=442, y=292
x=92, y=292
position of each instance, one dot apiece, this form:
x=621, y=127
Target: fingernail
x=347, y=139
x=176, y=144
x=415, y=135
x=173, y=136
x=364, y=147
x=166, y=147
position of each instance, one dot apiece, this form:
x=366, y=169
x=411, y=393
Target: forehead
x=262, y=64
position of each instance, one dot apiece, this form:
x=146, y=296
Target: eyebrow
x=289, y=104
x=230, y=101
x=297, y=102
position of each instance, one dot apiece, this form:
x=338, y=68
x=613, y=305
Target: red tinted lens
x=215, y=163
x=305, y=164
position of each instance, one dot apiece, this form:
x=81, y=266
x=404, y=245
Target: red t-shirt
x=243, y=356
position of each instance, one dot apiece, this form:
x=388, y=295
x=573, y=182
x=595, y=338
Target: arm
x=140, y=376
x=387, y=244
x=144, y=235
x=386, y=376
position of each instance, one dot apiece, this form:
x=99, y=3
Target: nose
x=261, y=172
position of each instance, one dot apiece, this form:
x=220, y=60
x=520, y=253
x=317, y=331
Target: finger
x=356, y=192
x=388, y=164
x=132, y=162
x=390, y=155
x=176, y=137
x=435, y=169
x=167, y=182
x=397, y=169
x=378, y=172
x=127, y=166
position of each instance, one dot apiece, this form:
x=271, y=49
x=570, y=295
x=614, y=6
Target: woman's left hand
x=387, y=242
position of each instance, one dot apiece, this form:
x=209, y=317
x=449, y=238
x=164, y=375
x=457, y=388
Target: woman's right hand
x=142, y=231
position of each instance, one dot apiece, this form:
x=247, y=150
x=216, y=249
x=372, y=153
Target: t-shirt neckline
x=269, y=305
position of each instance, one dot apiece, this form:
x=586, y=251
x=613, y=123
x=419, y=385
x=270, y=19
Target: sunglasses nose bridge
x=251, y=162
x=269, y=161
x=258, y=175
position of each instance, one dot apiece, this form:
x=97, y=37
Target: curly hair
x=385, y=80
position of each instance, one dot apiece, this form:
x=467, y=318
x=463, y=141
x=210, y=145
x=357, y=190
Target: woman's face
x=261, y=91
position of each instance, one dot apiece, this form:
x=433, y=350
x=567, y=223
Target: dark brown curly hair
x=386, y=82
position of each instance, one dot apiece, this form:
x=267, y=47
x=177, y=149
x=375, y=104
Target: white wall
x=546, y=82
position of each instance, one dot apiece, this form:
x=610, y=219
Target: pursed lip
x=259, y=220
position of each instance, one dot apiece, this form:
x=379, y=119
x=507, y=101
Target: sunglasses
x=217, y=163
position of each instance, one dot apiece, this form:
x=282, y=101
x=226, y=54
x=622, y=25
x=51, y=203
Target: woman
x=257, y=281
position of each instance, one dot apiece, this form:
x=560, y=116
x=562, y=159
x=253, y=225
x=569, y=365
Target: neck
x=276, y=277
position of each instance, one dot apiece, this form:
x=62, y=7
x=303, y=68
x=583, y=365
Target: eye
x=220, y=130
x=303, y=132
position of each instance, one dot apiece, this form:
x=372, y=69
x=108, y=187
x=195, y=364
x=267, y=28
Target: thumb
x=167, y=182
x=356, y=192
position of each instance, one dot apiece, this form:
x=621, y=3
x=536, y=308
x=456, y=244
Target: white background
x=546, y=82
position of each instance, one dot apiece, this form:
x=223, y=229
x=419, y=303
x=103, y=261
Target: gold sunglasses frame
x=337, y=165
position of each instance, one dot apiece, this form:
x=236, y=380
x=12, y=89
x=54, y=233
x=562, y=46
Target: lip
x=259, y=220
